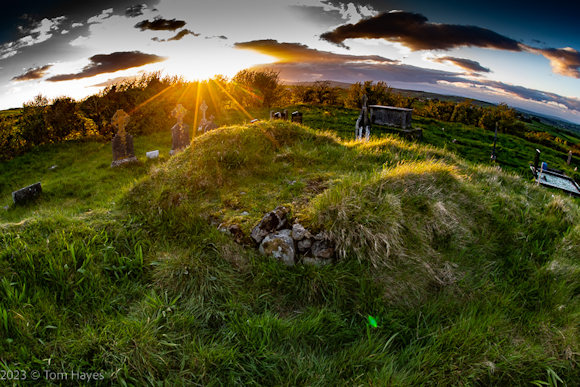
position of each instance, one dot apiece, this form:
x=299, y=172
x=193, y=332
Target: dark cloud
x=33, y=73
x=414, y=31
x=564, y=61
x=135, y=10
x=532, y=94
x=160, y=25
x=109, y=63
x=466, y=64
x=296, y=52
x=181, y=34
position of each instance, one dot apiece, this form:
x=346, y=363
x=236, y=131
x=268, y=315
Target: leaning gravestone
x=179, y=131
x=363, y=123
x=122, y=142
x=27, y=194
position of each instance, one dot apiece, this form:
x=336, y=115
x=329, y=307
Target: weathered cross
x=179, y=112
x=203, y=108
x=120, y=121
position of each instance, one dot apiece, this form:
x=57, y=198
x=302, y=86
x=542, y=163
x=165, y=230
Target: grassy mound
x=455, y=260
x=471, y=273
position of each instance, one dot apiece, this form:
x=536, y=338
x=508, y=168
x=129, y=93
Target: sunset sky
x=515, y=52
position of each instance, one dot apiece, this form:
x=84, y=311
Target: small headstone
x=569, y=158
x=179, y=131
x=152, y=155
x=122, y=142
x=254, y=121
x=297, y=117
x=27, y=194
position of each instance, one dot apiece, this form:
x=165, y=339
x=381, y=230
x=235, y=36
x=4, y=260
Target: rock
x=323, y=249
x=53, y=167
x=299, y=232
x=304, y=245
x=280, y=246
x=26, y=194
x=245, y=213
x=272, y=221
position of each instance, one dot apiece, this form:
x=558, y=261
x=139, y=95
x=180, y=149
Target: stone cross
x=203, y=108
x=120, y=121
x=179, y=113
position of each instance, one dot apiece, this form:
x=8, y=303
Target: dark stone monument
x=179, y=131
x=399, y=119
x=27, y=194
x=123, y=151
x=297, y=117
x=283, y=115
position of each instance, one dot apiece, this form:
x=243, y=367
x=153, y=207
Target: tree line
x=150, y=99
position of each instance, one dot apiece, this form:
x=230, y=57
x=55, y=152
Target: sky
x=516, y=52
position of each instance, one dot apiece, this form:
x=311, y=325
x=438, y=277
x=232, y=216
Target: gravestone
x=205, y=125
x=297, y=117
x=363, y=123
x=27, y=194
x=399, y=119
x=569, y=158
x=283, y=115
x=122, y=142
x=179, y=131
x=152, y=155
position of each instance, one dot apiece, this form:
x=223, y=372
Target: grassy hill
x=470, y=272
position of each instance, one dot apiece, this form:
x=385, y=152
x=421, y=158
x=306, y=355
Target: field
x=471, y=272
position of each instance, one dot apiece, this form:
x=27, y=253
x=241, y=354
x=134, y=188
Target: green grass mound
x=470, y=273
x=468, y=269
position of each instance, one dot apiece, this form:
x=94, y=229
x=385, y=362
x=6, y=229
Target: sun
x=206, y=63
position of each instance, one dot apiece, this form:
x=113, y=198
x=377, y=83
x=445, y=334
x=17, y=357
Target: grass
x=470, y=272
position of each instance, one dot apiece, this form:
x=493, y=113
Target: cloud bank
x=109, y=63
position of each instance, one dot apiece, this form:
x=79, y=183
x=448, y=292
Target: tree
x=32, y=125
x=257, y=87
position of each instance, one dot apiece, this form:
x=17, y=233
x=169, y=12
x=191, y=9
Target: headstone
x=152, y=155
x=180, y=131
x=297, y=117
x=569, y=158
x=27, y=194
x=205, y=125
x=363, y=123
x=122, y=142
x=493, y=155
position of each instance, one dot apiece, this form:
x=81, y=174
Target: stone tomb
x=400, y=119
x=122, y=143
x=27, y=194
x=391, y=116
x=180, y=131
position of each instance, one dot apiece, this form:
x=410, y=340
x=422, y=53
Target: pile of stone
x=291, y=244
